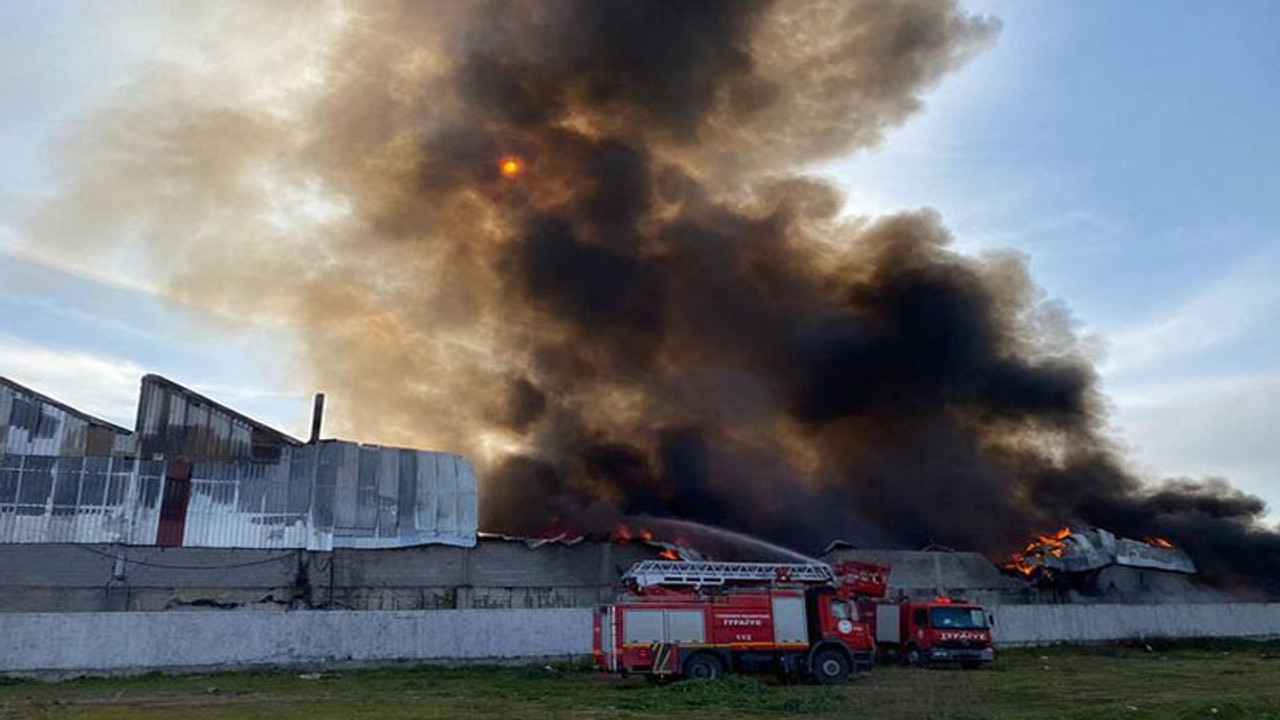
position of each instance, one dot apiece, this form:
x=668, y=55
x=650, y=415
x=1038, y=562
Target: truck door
x=919, y=624
x=789, y=626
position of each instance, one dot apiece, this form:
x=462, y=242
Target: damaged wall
x=494, y=574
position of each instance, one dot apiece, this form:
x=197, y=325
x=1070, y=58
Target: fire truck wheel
x=830, y=667
x=701, y=666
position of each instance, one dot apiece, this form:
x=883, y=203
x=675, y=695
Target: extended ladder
x=650, y=573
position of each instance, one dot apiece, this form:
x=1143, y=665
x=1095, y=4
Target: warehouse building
x=201, y=506
x=195, y=473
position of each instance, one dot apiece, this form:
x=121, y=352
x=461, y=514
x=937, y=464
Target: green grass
x=1209, y=680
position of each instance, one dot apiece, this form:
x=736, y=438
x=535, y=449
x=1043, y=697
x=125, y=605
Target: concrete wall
x=124, y=642
x=494, y=574
x=1046, y=624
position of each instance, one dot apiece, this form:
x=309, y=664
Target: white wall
x=1044, y=624
x=123, y=642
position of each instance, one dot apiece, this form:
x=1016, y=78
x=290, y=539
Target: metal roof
x=46, y=400
x=175, y=421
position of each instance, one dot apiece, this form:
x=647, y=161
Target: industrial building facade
x=198, y=474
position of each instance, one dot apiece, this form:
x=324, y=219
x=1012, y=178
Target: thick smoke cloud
x=658, y=315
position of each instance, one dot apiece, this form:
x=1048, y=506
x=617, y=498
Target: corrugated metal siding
x=31, y=424
x=334, y=494
x=77, y=499
x=175, y=422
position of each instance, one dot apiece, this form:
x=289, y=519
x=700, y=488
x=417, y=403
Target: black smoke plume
x=659, y=313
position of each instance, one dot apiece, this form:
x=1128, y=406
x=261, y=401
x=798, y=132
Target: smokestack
x=317, y=417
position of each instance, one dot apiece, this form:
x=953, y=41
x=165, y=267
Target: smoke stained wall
x=650, y=309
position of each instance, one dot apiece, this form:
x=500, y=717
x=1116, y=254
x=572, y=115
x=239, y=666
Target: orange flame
x=622, y=534
x=1042, y=545
x=1158, y=542
x=669, y=554
x=511, y=166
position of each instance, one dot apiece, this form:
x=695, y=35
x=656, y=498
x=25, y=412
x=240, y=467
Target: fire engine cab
x=942, y=630
x=705, y=619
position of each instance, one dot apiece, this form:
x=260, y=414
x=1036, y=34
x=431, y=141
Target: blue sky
x=1131, y=151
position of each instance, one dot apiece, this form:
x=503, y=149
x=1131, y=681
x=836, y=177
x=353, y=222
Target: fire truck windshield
x=957, y=617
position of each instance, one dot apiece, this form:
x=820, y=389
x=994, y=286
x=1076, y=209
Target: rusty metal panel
x=177, y=422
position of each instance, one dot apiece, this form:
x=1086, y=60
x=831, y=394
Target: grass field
x=1229, y=680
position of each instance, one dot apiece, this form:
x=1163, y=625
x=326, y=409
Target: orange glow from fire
x=511, y=166
x=1158, y=542
x=1051, y=544
x=669, y=554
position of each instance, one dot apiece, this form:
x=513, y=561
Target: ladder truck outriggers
x=705, y=619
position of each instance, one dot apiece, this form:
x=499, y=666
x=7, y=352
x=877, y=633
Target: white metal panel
x=686, y=626
x=789, y=624
x=888, y=623
x=643, y=626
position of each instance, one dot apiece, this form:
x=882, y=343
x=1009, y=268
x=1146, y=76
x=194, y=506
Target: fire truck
x=705, y=619
x=800, y=621
x=942, y=630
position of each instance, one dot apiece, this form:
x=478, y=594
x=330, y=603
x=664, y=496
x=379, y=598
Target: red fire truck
x=704, y=619
x=942, y=630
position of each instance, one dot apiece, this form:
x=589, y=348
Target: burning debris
x=585, y=257
x=1069, y=551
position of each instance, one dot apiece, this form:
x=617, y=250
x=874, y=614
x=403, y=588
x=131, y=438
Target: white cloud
x=1223, y=426
x=118, y=272
x=97, y=384
x=1244, y=301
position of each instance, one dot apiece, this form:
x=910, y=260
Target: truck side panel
x=686, y=626
x=888, y=629
x=643, y=626
x=789, y=622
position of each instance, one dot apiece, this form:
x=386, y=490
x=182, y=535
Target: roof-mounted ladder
x=650, y=573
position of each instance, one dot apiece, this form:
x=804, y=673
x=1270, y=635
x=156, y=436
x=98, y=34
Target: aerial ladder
x=850, y=578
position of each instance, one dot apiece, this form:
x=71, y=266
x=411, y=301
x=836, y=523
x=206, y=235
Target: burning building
x=1093, y=564
x=587, y=229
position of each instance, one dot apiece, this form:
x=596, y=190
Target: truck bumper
x=938, y=654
